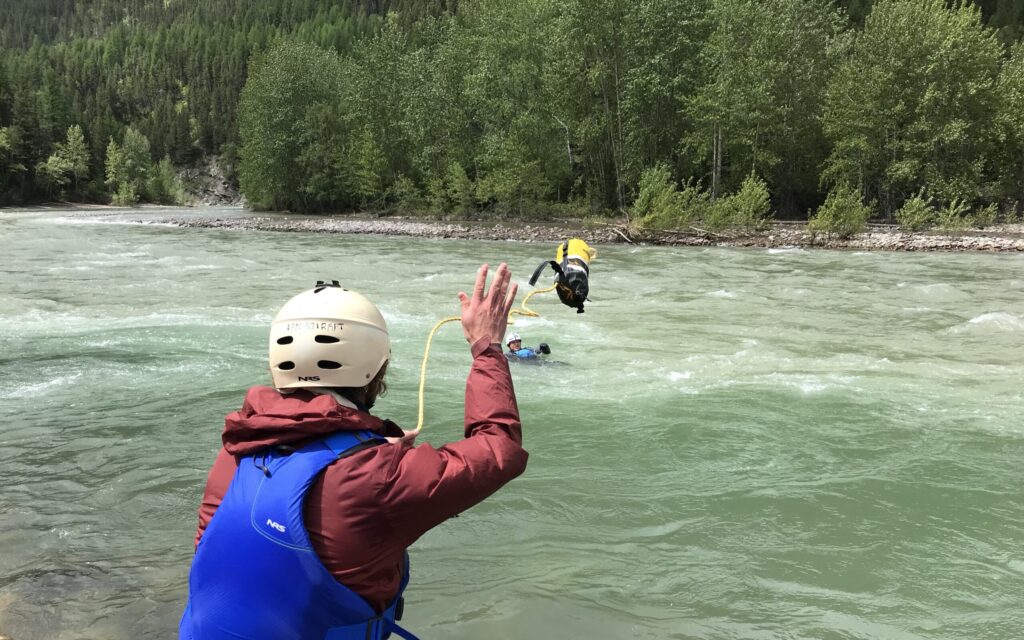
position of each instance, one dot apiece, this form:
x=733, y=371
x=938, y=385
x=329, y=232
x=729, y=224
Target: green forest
x=726, y=111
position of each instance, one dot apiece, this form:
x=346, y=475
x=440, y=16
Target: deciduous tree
x=914, y=104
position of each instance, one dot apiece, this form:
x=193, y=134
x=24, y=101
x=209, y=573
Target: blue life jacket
x=525, y=352
x=256, y=575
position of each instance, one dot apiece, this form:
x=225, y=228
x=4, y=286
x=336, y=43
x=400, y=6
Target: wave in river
x=996, y=320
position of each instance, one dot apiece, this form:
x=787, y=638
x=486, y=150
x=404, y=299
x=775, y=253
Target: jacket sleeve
x=217, y=483
x=426, y=486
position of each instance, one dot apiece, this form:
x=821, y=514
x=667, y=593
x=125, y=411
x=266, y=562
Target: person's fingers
x=499, y=295
x=464, y=301
x=499, y=285
x=510, y=299
x=481, y=280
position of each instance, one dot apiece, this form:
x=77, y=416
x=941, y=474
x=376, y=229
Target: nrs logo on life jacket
x=275, y=525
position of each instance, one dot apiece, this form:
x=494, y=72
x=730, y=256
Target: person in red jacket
x=329, y=351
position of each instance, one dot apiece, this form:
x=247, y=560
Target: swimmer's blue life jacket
x=525, y=352
x=256, y=576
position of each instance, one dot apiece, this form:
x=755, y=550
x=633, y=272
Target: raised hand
x=487, y=315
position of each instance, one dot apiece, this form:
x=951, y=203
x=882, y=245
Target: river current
x=755, y=444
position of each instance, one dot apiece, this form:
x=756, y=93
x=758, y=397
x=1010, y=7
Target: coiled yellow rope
x=523, y=310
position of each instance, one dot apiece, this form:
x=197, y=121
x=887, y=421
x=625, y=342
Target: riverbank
x=1004, y=238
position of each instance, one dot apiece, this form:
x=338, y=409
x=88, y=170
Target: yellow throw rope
x=522, y=311
x=423, y=367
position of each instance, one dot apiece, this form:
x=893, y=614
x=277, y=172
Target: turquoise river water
x=744, y=443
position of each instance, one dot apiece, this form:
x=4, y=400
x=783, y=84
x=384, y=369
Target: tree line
x=171, y=70
x=663, y=108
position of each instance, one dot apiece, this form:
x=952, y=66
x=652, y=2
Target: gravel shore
x=1007, y=238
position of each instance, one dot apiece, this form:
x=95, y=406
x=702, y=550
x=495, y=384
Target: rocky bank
x=1007, y=238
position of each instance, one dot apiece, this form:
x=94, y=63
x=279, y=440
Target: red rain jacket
x=363, y=511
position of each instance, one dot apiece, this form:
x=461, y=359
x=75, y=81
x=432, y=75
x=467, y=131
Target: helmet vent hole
x=285, y=340
x=322, y=339
x=287, y=365
x=328, y=364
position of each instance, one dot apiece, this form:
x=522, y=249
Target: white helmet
x=327, y=337
x=512, y=337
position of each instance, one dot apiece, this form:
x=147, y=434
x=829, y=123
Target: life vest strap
x=399, y=631
x=347, y=443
